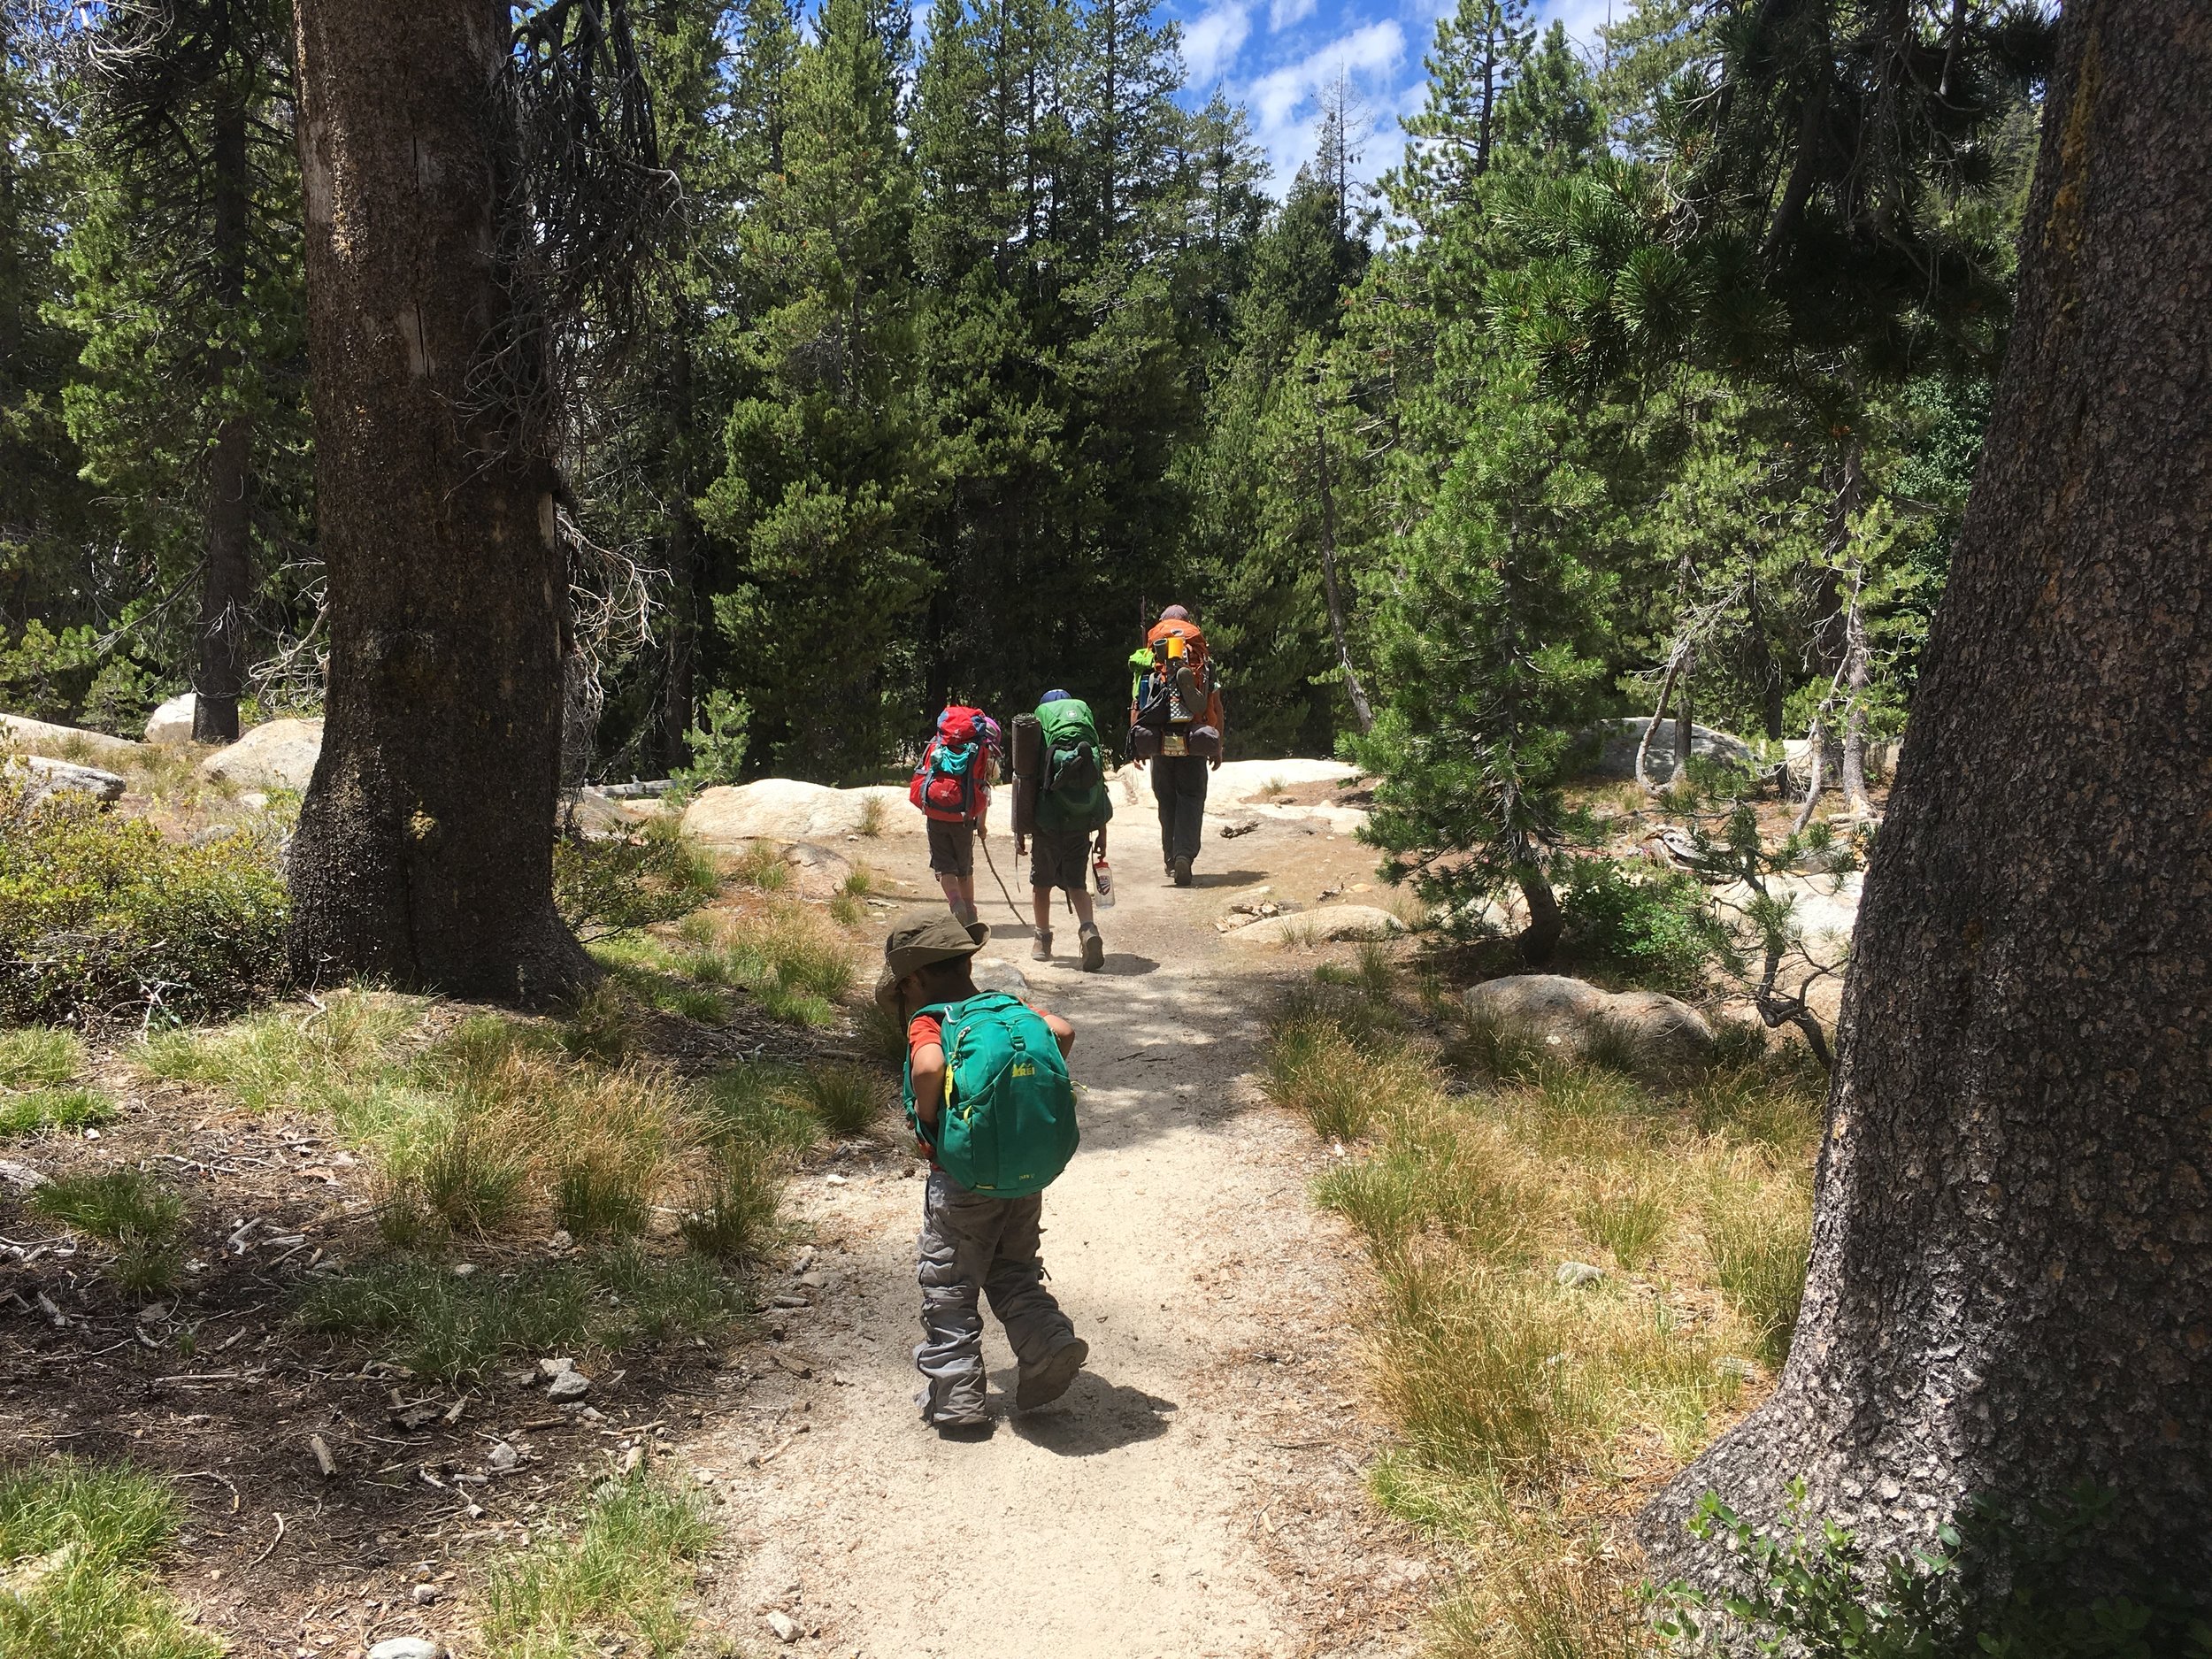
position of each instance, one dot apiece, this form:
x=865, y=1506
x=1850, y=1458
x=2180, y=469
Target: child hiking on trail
x=952, y=786
x=988, y=1099
x=1176, y=723
x=1061, y=811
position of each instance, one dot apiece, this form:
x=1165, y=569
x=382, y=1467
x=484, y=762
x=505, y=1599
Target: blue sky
x=1274, y=56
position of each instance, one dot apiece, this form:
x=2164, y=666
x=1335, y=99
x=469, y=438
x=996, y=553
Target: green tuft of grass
x=591, y=1198
x=762, y=866
x=139, y=1219
x=846, y=911
x=881, y=1036
x=1627, y=1218
x=1760, y=1233
x=1487, y=1047
x=1319, y=1068
x=732, y=1215
x=843, y=1099
x=470, y=1181
x=312, y=1059
x=1443, y=1173
x=872, y=818
x=441, y=1325
x=602, y=1025
x=618, y=1580
x=40, y=1056
x=42, y=1109
x=77, y=1544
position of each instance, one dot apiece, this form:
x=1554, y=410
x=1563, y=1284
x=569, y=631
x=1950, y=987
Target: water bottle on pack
x=1103, y=879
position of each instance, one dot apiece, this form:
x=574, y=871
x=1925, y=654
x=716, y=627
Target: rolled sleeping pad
x=1029, y=757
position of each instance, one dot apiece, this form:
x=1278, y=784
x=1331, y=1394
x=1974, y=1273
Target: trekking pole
x=1003, y=894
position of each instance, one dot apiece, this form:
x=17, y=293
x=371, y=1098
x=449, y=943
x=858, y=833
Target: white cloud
x=1211, y=43
x=1282, y=13
x=1285, y=103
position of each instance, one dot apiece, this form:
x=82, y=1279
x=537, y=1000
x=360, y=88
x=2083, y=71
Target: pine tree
x=827, y=469
x=1488, y=651
x=185, y=264
x=45, y=513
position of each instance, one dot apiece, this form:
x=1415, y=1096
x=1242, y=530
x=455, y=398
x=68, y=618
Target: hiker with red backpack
x=952, y=786
x=1176, y=723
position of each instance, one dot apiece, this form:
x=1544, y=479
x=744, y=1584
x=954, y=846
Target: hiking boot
x=1181, y=871
x=1093, y=949
x=1047, y=1380
x=1041, y=950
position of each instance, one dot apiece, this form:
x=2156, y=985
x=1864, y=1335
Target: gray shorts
x=1060, y=860
x=951, y=849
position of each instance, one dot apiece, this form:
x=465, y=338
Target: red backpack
x=949, y=783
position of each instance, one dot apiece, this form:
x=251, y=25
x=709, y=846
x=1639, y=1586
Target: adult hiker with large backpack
x=991, y=1107
x=952, y=786
x=1177, y=725
x=1061, y=810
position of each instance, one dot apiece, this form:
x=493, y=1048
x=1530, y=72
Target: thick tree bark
x=2011, y=1282
x=226, y=577
x=424, y=846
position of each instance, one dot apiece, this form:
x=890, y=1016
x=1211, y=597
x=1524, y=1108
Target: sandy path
x=1198, y=1491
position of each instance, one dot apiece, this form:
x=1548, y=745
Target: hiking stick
x=984, y=843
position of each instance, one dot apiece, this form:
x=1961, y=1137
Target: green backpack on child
x=1072, y=793
x=1006, y=1126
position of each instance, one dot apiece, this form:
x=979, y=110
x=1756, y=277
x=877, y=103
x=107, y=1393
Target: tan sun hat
x=913, y=946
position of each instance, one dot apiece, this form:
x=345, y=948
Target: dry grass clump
x=794, y=961
x=1514, y=1394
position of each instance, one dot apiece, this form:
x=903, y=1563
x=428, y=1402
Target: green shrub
x=102, y=919
x=2004, y=1582
x=1657, y=929
x=619, y=884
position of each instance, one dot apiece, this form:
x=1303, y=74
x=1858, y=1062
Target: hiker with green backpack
x=1061, y=810
x=991, y=1107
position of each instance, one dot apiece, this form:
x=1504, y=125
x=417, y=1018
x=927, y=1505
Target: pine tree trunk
x=1362, y=711
x=226, y=576
x=423, y=853
x=2012, y=1248
x=1855, y=674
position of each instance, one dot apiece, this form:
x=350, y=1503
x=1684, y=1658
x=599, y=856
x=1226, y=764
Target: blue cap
x=1052, y=696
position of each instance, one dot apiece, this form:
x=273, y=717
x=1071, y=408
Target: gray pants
x=971, y=1243
x=1178, y=784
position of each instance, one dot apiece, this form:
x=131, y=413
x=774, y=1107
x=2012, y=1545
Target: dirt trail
x=1199, y=1490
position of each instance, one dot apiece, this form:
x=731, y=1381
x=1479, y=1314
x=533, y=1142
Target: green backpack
x=1007, y=1124
x=1072, y=791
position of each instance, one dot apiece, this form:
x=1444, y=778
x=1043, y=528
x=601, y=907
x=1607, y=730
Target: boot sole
x=1094, y=953
x=1050, y=1380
